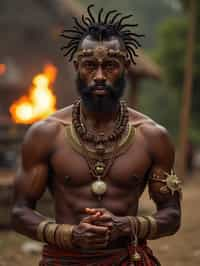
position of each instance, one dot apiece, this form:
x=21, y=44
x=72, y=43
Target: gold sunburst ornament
x=170, y=180
x=173, y=183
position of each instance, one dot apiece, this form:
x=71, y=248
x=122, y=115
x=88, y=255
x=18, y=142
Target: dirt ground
x=179, y=250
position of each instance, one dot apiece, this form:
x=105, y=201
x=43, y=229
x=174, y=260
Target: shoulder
x=41, y=135
x=147, y=126
x=156, y=137
x=40, y=131
x=62, y=116
x=47, y=128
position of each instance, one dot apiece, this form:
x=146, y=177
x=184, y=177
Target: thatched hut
x=30, y=38
x=145, y=68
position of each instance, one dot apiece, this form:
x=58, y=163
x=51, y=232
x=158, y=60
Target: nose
x=99, y=75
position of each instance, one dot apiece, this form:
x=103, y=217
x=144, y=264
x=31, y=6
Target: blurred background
x=36, y=80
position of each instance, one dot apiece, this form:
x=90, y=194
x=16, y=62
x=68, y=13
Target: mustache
x=101, y=85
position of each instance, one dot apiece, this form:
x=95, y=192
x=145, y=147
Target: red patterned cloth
x=53, y=256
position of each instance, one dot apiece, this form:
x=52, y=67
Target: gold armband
x=171, y=183
x=56, y=234
x=147, y=227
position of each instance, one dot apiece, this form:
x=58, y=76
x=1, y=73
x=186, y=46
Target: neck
x=99, y=120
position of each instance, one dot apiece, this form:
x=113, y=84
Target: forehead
x=112, y=43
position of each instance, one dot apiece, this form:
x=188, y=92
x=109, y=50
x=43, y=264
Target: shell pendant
x=99, y=188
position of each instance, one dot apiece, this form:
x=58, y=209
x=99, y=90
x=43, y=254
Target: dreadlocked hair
x=113, y=24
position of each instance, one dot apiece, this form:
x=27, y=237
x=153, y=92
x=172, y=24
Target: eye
x=110, y=65
x=89, y=65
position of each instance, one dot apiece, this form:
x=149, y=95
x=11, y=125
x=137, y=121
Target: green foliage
x=161, y=104
x=172, y=50
x=171, y=55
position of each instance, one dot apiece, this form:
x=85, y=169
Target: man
x=96, y=157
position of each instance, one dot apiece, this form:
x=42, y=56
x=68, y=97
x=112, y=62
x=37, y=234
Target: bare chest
x=127, y=172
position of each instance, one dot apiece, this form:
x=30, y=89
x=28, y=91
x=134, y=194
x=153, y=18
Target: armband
x=55, y=234
x=147, y=227
x=143, y=227
x=171, y=183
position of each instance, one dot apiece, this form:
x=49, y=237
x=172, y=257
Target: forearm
x=168, y=221
x=32, y=224
x=25, y=221
x=164, y=222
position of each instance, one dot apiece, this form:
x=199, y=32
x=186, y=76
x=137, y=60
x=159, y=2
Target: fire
x=2, y=69
x=40, y=101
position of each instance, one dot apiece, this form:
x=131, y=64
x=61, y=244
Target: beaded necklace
x=99, y=166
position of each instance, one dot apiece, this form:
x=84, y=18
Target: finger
x=90, y=219
x=95, y=244
x=107, y=224
x=91, y=211
x=98, y=229
x=86, y=227
x=97, y=217
x=105, y=218
x=96, y=240
x=94, y=210
x=100, y=238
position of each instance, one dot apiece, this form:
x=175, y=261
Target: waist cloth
x=54, y=256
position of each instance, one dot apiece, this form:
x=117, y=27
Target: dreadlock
x=101, y=29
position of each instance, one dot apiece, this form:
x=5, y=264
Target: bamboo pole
x=187, y=91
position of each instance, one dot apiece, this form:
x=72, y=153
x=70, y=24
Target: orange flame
x=2, y=69
x=40, y=102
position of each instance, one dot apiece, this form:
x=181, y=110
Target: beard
x=101, y=103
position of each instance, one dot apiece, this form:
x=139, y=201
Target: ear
x=75, y=62
x=127, y=64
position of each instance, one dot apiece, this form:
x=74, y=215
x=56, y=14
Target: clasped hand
x=98, y=229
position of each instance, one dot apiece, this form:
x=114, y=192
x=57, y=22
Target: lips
x=100, y=90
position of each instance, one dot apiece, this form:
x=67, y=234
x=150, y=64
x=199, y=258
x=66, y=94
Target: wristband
x=55, y=234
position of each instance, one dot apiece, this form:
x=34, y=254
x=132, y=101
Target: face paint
x=101, y=52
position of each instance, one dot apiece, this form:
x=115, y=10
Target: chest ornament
x=99, y=150
x=99, y=187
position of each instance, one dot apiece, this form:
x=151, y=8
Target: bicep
x=162, y=173
x=30, y=184
x=31, y=178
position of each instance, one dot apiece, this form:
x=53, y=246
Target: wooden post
x=187, y=91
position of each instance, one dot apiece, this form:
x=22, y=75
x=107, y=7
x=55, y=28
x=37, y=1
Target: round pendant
x=99, y=187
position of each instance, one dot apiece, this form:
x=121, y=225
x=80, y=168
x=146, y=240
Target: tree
x=172, y=56
x=187, y=90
